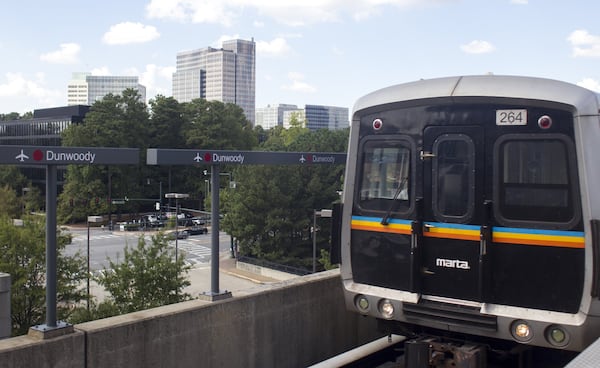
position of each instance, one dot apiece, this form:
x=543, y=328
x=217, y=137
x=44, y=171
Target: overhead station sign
x=56, y=155
x=157, y=156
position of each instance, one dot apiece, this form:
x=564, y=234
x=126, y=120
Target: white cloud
x=157, y=80
x=129, y=32
x=337, y=51
x=478, y=47
x=195, y=11
x=275, y=47
x=67, y=54
x=101, y=71
x=290, y=12
x=30, y=92
x=590, y=84
x=519, y=2
x=297, y=84
x=584, y=44
x=219, y=43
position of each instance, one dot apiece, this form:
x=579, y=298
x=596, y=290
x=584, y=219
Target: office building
x=272, y=115
x=44, y=129
x=319, y=117
x=85, y=89
x=226, y=74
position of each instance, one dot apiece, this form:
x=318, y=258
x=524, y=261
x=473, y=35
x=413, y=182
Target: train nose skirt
x=451, y=314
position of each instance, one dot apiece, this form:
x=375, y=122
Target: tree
x=114, y=121
x=216, y=125
x=147, y=277
x=22, y=255
x=270, y=212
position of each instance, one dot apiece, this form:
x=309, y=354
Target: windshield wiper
x=385, y=219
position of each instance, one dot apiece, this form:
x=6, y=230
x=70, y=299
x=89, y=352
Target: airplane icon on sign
x=198, y=158
x=302, y=159
x=22, y=157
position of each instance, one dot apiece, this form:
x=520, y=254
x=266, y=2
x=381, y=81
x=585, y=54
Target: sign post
x=215, y=158
x=51, y=157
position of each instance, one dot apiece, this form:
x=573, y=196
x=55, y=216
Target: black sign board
x=158, y=156
x=56, y=155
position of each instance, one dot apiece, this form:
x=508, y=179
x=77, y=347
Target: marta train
x=471, y=209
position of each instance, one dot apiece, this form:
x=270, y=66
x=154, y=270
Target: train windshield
x=385, y=174
x=535, y=180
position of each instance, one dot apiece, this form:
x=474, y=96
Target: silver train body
x=471, y=206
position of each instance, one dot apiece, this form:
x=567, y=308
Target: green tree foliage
x=15, y=116
x=115, y=121
x=16, y=194
x=147, y=277
x=9, y=205
x=215, y=125
x=22, y=255
x=123, y=121
x=270, y=213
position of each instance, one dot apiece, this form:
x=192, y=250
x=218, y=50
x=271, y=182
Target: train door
x=452, y=212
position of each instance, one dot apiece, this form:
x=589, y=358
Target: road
x=106, y=245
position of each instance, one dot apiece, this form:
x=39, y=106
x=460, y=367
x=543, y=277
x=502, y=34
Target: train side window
x=536, y=180
x=453, y=178
x=385, y=174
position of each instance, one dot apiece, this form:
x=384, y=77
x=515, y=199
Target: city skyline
x=322, y=52
x=227, y=74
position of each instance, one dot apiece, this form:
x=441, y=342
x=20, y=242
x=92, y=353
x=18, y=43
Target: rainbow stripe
x=507, y=235
x=374, y=224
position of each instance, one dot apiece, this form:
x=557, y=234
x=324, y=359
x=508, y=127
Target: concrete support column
x=5, y=320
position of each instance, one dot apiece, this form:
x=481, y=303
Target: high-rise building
x=85, y=89
x=226, y=74
x=272, y=115
x=319, y=117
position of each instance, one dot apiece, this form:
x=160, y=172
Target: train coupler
x=432, y=352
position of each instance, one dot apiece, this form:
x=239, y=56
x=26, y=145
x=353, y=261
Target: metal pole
x=176, y=229
x=314, y=234
x=214, y=214
x=88, y=264
x=51, y=246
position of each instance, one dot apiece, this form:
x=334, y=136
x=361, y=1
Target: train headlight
x=386, y=308
x=521, y=331
x=557, y=336
x=362, y=303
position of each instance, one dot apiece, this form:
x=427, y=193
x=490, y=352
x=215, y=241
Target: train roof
x=585, y=101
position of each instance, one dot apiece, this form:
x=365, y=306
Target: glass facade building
x=272, y=116
x=44, y=129
x=85, y=89
x=226, y=75
x=320, y=117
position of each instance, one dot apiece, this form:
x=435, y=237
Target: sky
x=317, y=52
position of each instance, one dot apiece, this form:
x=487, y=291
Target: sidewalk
x=228, y=265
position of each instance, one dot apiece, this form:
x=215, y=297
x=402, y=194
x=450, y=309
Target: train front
x=467, y=210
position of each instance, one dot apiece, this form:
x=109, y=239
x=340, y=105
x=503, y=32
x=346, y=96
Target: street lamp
x=90, y=219
x=177, y=196
x=321, y=213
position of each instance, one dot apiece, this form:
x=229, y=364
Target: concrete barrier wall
x=294, y=323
